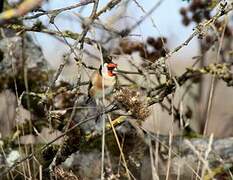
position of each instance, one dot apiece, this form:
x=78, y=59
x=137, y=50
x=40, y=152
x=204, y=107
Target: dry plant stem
x=156, y=153
x=198, y=98
x=159, y=139
x=209, y=105
x=208, y=150
x=219, y=147
x=119, y=146
x=199, y=156
x=213, y=82
x=171, y=136
x=122, y=146
x=152, y=162
x=169, y=156
x=103, y=121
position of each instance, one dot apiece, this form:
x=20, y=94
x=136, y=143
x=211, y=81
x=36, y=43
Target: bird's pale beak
x=115, y=70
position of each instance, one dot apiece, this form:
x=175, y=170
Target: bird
x=103, y=81
x=102, y=84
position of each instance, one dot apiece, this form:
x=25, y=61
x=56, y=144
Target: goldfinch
x=103, y=81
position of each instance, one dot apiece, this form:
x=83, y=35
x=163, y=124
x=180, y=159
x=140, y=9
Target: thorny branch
x=56, y=12
x=39, y=28
x=202, y=27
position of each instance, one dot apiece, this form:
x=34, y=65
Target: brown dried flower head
x=62, y=174
x=132, y=102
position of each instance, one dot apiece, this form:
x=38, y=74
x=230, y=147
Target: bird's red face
x=111, y=69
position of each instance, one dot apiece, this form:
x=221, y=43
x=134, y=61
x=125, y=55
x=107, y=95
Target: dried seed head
x=60, y=173
x=132, y=102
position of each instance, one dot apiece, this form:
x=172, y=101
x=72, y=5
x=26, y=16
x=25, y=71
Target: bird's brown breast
x=96, y=89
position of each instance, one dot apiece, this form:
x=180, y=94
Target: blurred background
x=166, y=20
x=140, y=36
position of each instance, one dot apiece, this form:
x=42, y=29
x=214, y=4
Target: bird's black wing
x=89, y=87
